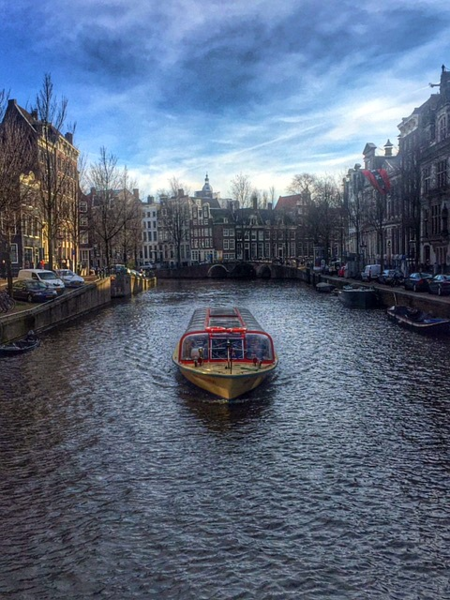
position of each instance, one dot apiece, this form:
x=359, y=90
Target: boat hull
x=417, y=321
x=359, y=297
x=225, y=385
x=19, y=347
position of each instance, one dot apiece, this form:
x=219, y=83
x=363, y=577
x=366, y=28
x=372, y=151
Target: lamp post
x=363, y=247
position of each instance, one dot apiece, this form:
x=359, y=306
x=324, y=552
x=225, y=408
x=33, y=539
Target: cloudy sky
x=181, y=88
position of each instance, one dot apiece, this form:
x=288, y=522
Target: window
x=427, y=179
x=442, y=128
x=220, y=348
x=14, y=254
x=441, y=174
x=435, y=218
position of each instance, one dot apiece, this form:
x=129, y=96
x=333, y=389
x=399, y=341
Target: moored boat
x=225, y=351
x=30, y=342
x=358, y=296
x=325, y=288
x=417, y=320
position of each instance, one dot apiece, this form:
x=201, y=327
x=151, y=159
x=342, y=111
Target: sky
x=184, y=88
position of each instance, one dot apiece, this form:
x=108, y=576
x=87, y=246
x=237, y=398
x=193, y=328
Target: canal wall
x=72, y=304
x=436, y=306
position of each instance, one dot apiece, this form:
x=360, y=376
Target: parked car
x=391, y=277
x=31, y=290
x=69, y=278
x=50, y=279
x=418, y=282
x=440, y=285
x=371, y=272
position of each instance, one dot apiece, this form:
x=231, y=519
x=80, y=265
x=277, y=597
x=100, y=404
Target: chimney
x=270, y=206
x=69, y=137
x=136, y=193
x=255, y=203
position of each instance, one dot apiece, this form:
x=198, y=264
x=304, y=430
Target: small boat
x=30, y=342
x=358, y=296
x=417, y=320
x=225, y=351
x=325, y=288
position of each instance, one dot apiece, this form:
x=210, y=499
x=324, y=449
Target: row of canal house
x=404, y=224
x=401, y=225
x=42, y=216
x=211, y=229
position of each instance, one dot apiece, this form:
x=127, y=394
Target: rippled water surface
x=118, y=480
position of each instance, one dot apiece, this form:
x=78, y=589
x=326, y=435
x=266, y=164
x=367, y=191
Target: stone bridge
x=233, y=270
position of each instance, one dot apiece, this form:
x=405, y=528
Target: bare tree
x=176, y=188
x=303, y=182
x=56, y=167
x=241, y=190
x=110, y=210
x=131, y=234
x=175, y=219
x=324, y=216
x=354, y=206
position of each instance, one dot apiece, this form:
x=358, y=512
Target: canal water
x=118, y=479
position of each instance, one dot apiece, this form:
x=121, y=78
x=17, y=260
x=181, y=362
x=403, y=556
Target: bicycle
x=6, y=302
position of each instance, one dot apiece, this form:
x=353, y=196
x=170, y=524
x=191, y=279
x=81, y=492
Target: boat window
x=194, y=346
x=258, y=346
x=219, y=348
x=227, y=322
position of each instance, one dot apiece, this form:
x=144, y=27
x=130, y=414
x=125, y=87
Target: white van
x=48, y=277
x=371, y=272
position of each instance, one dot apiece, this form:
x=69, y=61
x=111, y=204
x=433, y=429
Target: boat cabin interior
x=218, y=334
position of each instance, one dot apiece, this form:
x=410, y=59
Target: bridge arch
x=218, y=271
x=264, y=272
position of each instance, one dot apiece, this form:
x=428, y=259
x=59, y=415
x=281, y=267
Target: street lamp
x=363, y=247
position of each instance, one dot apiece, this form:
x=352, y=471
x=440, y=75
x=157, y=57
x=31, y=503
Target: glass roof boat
x=225, y=351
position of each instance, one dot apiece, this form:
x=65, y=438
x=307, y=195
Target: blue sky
x=180, y=88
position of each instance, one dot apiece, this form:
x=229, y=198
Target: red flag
x=379, y=179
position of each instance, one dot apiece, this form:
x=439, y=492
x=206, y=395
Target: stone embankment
x=437, y=306
x=73, y=303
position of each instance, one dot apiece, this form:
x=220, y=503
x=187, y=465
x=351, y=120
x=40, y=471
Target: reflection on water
x=118, y=479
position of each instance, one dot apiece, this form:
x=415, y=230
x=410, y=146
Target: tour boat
x=225, y=351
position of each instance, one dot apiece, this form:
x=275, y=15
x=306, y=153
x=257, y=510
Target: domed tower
x=207, y=191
